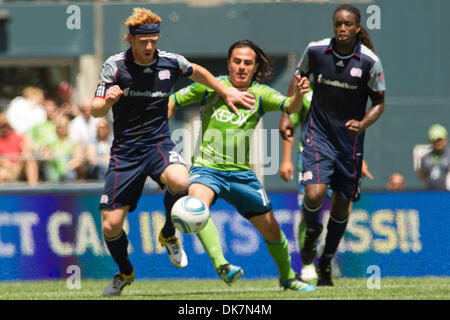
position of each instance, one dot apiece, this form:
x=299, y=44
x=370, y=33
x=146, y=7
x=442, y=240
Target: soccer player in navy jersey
x=345, y=72
x=136, y=85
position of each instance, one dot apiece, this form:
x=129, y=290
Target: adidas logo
x=340, y=63
x=147, y=70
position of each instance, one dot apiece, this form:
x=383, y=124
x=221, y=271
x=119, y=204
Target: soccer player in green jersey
x=221, y=166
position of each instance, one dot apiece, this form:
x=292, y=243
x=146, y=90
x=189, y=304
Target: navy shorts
x=343, y=174
x=126, y=176
x=240, y=188
x=300, y=185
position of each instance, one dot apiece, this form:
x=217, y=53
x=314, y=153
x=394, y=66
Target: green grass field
x=434, y=288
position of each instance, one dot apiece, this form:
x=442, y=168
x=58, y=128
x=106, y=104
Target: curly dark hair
x=363, y=36
x=264, y=71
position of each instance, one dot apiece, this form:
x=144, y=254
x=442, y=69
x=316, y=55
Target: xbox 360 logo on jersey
x=224, y=115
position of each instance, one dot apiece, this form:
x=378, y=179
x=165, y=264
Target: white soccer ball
x=190, y=214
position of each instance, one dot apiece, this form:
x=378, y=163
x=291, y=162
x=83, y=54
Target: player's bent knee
x=110, y=230
x=111, y=225
x=313, y=199
x=176, y=178
x=179, y=185
x=314, y=195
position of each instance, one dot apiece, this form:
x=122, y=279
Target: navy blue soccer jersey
x=140, y=115
x=342, y=85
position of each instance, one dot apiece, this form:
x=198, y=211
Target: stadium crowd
x=54, y=140
x=43, y=139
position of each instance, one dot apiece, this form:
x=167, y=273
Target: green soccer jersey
x=225, y=136
x=298, y=119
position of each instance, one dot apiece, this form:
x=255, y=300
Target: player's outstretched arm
x=100, y=106
x=231, y=95
x=299, y=85
x=286, y=127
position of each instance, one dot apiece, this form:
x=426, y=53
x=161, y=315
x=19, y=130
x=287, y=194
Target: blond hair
x=141, y=16
x=31, y=92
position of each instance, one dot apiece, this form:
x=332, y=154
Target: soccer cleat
x=176, y=253
x=309, y=249
x=324, y=275
x=308, y=272
x=229, y=273
x=115, y=288
x=296, y=284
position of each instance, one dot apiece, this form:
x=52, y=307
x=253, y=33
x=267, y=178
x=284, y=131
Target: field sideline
x=426, y=288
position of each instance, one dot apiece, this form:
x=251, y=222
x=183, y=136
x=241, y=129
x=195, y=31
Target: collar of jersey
x=227, y=78
x=129, y=57
x=356, y=51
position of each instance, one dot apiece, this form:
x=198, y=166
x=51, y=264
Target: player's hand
x=113, y=94
x=287, y=171
x=354, y=127
x=365, y=171
x=302, y=84
x=233, y=96
x=286, y=128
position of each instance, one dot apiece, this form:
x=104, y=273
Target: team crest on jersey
x=356, y=72
x=380, y=76
x=107, y=69
x=164, y=75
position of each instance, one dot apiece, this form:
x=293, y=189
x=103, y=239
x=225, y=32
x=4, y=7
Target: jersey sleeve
x=272, y=100
x=184, y=65
x=303, y=64
x=191, y=94
x=107, y=77
x=376, y=82
x=295, y=119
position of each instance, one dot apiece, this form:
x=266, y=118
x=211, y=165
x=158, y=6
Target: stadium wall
x=43, y=234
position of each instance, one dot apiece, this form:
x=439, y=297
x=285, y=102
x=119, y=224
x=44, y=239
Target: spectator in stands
x=4, y=103
x=435, y=165
x=64, y=157
x=83, y=128
x=26, y=111
x=98, y=151
x=16, y=157
x=44, y=133
x=396, y=182
x=68, y=107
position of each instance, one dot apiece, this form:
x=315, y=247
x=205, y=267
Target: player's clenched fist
x=354, y=127
x=113, y=94
x=302, y=84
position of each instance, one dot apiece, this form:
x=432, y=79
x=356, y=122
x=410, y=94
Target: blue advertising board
x=42, y=235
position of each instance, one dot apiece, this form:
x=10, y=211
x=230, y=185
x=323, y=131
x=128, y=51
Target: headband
x=150, y=28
